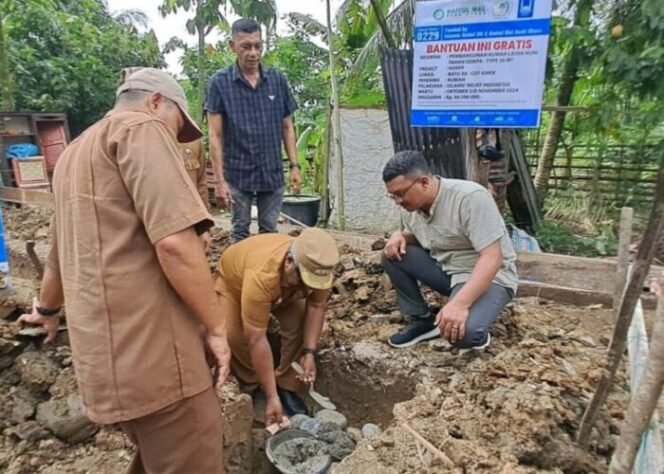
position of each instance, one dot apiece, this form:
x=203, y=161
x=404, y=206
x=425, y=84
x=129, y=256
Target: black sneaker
x=420, y=329
x=292, y=403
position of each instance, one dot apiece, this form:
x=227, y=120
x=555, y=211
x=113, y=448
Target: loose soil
x=513, y=408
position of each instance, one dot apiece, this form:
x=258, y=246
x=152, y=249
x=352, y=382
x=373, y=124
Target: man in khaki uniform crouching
x=127, y=262
x=291, y=278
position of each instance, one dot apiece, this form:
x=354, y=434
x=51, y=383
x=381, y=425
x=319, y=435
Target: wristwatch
x=309, y=350
x=47, y=311
x=294, y=165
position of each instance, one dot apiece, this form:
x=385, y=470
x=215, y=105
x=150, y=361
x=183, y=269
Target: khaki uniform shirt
x=251, y=274
x=119, y=189
x=194, y=162
x=463, y=220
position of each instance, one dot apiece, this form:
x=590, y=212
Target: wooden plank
x=587, y=274
x=27, y=196
x=574, y=296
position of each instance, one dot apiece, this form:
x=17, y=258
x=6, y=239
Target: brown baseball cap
x=153, y=80
x=316, y=254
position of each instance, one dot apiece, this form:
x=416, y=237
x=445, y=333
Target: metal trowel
x=322, y=400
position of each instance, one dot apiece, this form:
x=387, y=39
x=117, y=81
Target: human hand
x=51, y=324
x=295, y=180
x=222, y=195
x=274, y=412
x=452, y=321
x=308, y=364
x=396, y=246
x=218, y=348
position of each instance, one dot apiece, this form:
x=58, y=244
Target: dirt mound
x=512, y=408
x=27, y=222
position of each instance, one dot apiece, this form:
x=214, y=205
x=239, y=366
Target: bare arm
x=51, y=295
x=261, y=359
x=288, y=134
x=216, y=138
x=183, y=261
x=290, y=141
x=313, y=324
x=452, y=318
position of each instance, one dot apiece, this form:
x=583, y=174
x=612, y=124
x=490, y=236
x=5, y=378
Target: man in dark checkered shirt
x=249, y=110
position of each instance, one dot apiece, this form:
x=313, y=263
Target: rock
x=7, y=346
x=356, y=433
x=373, y=264
x=27, y=431
x=312, y=425
x=371, y=431
x=36, y=370
x=111, y=440
x=332, y=416
x=340, y=443
x=378, y=244
x=368, y=352
x=65, y=418
x=23, y=404
x=6, y=362
x=440, y=344
x=298, y=420
x=64, y=385
x=361, y=294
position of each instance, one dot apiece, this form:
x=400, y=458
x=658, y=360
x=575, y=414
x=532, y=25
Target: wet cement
x=302, y=456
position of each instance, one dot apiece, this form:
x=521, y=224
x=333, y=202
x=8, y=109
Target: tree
x=565, y=88
x=66, y=55
x=207, y=16
x=6, y=97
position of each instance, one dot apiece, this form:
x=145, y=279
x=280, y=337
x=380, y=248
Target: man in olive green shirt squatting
x=453, y=240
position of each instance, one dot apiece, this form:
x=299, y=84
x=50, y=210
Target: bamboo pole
x=641, y=413
x=382, y=22
x=626, y=222
x=628, y=303
x=336, y=124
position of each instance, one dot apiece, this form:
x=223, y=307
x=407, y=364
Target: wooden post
x=643, y=403
x=624, y=319
x=626, y=220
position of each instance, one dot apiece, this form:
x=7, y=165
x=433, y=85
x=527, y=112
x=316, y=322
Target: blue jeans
x=416, y=267
x=269, y=207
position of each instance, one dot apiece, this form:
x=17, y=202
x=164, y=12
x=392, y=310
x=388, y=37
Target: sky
x=174, y=25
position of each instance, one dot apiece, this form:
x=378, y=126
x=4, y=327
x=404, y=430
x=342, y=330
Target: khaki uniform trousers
x=182, y=438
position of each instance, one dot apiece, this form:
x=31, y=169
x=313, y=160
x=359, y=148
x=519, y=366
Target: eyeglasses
x=402, y=194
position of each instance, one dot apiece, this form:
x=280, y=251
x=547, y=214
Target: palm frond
x=400, y=22
x=307, y=23
x=132, y=17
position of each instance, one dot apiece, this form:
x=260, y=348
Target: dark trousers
x=269, y=207
x=416, y=267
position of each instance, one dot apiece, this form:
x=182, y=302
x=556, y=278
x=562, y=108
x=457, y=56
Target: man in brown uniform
x=194, y=162
x=290, y=278
x=126, y=261
x=193, y=157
